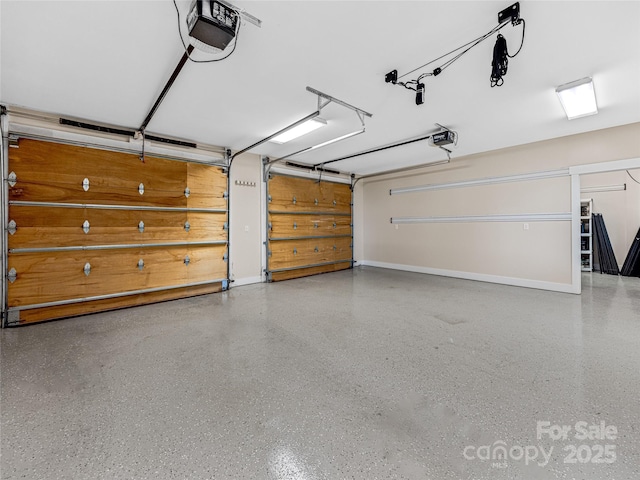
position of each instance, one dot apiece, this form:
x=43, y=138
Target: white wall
x=495, y=251
x=246, y=226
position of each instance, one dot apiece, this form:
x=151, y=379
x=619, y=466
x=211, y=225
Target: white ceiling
x=107, y=61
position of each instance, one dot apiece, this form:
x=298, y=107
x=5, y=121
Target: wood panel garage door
x=309, y=227
x=92, y=229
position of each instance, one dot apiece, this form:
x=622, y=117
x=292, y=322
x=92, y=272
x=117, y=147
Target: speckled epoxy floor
x=365, y=374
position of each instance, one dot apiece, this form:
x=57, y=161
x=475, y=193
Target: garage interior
x=413, y=289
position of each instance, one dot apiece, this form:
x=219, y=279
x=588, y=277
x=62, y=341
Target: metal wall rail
x=20, y=203
x=4, y=213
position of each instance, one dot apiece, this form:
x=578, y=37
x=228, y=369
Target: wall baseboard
x=246, y=281
x=481, y=277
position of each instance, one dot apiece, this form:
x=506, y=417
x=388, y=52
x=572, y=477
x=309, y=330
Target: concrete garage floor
x=365, y=374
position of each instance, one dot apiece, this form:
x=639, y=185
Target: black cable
x=184, y=45
x=488, y=34
x=520, y=21
x=500, y=62
x=501, y=57
x=628, y=173
x=474, y=43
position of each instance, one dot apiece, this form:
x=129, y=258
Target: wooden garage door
x=309, y=227
x=92, y=229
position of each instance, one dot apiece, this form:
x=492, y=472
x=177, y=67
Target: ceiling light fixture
x=300, y=130
x=578, y=98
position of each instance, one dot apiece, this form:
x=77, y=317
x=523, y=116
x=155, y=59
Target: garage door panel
x=207, y=263
x=139, y=244
x=307, y=252
x=43, y=277
x=207, y=226
x=38, y=227
x=305, y=195
x=303, y=272
x=207, y=186
x=48, y=172
x=287, y=225
x=93, y=306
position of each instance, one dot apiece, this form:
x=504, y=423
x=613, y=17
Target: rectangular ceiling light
x=578, y=98
x=300, y=130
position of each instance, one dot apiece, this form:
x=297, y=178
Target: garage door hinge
x=87, y=269
x=225, y=257
x=225, y=195
x=140, y=264
x=12, y=179
x=14, y=141
x=187, y=260
x=225, y=226
x=187, y=192
x=85, y=184
x=141, y=227
x=269, y=253
x=187, y=226
x=270, y=226
x=86, y=226
x=269, y=198
x=141, y=189
x=12, y=275
x=11, y=228
x=295, y=226
x=294, y=200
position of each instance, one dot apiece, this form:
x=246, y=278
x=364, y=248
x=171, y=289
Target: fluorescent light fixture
x=300, y=130
x=578, y=98
x=320, y=145
x=604, y=188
